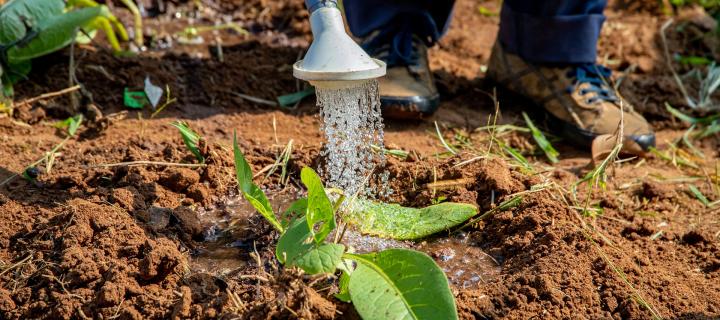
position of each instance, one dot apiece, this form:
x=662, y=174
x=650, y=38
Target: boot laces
x=595, y=76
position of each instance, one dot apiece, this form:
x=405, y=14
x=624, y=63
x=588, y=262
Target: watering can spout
x=333, y=58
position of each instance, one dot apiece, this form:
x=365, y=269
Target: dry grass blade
x=49, y=95
x=254, y=99
x=442, y=140
x=148, y=163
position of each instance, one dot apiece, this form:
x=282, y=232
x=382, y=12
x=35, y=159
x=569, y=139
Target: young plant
x=391, y=284
x=34, y=28
x=30, y=172
x=191, y=138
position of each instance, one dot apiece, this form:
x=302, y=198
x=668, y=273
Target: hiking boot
x=408, y=90
x=580, y=104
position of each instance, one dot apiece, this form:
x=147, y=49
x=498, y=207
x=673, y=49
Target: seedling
x=191, y=138
x=390, y=284
x=34, y=28
x=30, y=172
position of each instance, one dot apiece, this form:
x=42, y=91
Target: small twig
x=446, y=184
x=149, y=163
x=254, y=277
x=50, y=95
x=17, y=264
x=263, y=170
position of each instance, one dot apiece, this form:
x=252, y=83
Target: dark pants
x=553, y=31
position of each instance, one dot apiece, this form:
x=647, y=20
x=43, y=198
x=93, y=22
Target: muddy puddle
x=464, y=263
x=225, y=225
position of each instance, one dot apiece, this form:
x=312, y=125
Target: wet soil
x=87, y=240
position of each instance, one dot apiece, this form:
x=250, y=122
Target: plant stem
x=130, y=4
x=49, y=95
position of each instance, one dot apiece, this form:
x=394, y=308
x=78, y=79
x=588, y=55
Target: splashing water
x=352, y=123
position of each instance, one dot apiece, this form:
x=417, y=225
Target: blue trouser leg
x=552, y=31
x=426, y=18
x=541, y=31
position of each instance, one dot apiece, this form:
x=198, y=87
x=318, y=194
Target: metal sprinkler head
x=334, y=60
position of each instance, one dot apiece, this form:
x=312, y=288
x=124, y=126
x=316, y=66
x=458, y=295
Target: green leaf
x=12, y=14
x=400, y=284
x=344, y=285
x=296, y=210
x=291, y=99
x=541, y=140
x=320, y=215
x=250, y=191
x=693, y=60
x=321, y=259
x=6, y=91
x=71, y=124
x=295, y=249
x=18, y=72
x=191, y=139
x=293, y=241
x=397, y=222
x=55, y=33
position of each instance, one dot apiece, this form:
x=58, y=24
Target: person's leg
x=554, y=31
x=547, y=51
x=399, y=32
x=425, y=18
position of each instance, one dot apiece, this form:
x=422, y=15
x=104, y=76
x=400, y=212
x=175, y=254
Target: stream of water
x=352, y=124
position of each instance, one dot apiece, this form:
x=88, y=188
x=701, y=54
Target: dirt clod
x=179, y=179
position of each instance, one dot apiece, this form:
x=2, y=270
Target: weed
x=34, y=28
x=400, y=154
x=191, y=139
x=541, y=140
x=709, y=83
x=503, y=206
x=30, y=172
x=375, y=282
x=168, y=101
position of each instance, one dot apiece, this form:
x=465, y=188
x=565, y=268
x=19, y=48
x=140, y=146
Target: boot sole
x=408, y=108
